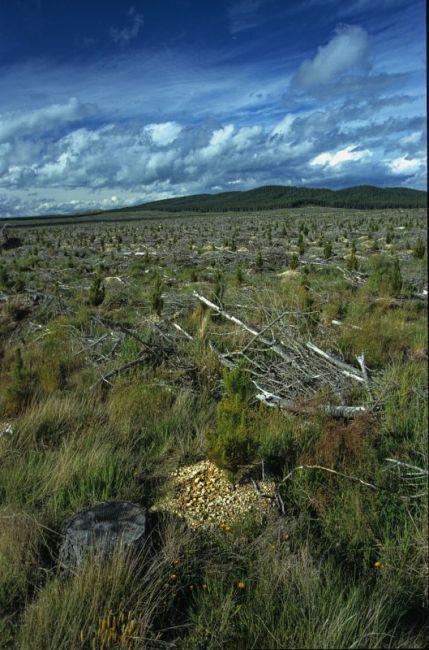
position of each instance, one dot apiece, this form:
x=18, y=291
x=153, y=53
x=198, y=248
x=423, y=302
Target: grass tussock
x=346, y=564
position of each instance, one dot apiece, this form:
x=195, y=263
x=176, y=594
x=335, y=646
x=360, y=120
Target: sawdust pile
x=203, y=495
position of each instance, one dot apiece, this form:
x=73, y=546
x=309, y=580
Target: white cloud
x=284, y=126
x=337, y=158
x=42, y=119
x=404, y=165
x=217, y=142
x=246, y=136
x=163, y=133
x=412, y=138
x=347, y=49
x=75, y=168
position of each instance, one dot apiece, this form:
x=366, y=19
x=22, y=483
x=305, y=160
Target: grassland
x=102, y=397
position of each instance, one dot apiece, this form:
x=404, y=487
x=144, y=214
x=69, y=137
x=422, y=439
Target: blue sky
x=104, y=104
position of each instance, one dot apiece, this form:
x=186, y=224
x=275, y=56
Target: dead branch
x=420, y=471
x=361, y=362
x=331, y=471
x=270, y=344
x=348, y=371
x=184, y=332
x=117, y=371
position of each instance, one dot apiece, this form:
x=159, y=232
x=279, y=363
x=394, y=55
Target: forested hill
x=278, y=196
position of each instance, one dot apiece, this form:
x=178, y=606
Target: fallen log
x=330, y=471
x=346, y=369
x=117, y=371
x=361, y=362
x=336, y=411
x=272, y=400
x=275, y=347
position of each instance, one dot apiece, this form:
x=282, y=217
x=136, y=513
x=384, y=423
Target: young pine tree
x=156, y=300
x=294, y=262
x=232, y=445
x=239, y=275
x=352, y=262
x=97, y=291
x=419, y=249
x=327, y=250
x=218, y=288
x=396, y=277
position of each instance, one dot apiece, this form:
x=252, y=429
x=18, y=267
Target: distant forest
x=362, y=197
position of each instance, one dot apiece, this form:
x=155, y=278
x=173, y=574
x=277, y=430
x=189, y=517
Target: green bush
x=17, y=389
x=232, y=444
x=156, y=300
x=218, y=288
x=294, y=262
x=237, y=382
x=385, y=275
x=327, y=250
x=419, y=249
x=96, y=292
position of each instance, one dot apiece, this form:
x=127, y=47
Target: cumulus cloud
x=75, y=167
x=337, y=158
x=283, y=127
x=346, y=50
x=43, y=119
x=164, y=133
x=217, y=142
x=126, y=34
x=404, y=166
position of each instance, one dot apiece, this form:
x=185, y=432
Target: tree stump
x=101, y=530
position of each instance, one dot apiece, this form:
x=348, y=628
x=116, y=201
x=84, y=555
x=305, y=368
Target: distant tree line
x=363, y=197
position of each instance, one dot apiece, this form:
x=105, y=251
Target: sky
x=109, y=103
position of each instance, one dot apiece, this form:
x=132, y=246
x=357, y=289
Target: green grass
x=345, y=567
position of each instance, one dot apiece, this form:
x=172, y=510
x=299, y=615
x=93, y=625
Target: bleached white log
x=272, y=345
x=184, y=332
x=347, y=370
x=361, y=362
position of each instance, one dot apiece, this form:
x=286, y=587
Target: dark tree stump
x=100, y=530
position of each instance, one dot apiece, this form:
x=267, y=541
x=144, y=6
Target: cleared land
x=285, y=348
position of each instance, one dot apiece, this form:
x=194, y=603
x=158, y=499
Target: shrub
x=5, y=279
x=396, y=277
x=239, y=275
x=233, y=444
x=218, y=288
x=352, y=262
x=327, y=250
x=294, y=262
x=156, y=300
x=419, y=249
x=17, y=387
x=385, y=276
x=237, y=382
x=96, y=292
